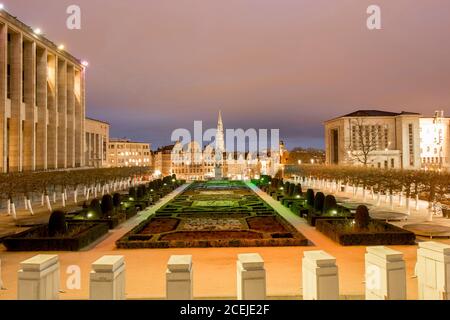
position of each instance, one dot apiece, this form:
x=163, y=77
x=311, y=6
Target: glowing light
x=84, y=63
x=312, y=161
x=90, y=215
x=2, y=6
x=37, y=31
x=61, y=47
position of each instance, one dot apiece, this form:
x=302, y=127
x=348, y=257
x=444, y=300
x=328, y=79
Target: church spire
x=220, y=140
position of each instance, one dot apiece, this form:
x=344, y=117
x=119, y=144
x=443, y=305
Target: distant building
x=126, y=153
x=97, y=141
x=192, y=162
x=435, y=141
x=382, y=139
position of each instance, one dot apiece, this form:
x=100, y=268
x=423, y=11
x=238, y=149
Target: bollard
x=385, y=274
x=251, y=277
x=320, y=276
x=38, y=278
x=107, y=279
x=433, y=271
x=179, y=278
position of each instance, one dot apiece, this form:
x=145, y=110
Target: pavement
x=214, y=268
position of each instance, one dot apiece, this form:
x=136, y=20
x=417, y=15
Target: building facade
x=97, y=142
x=126, y=153
x=435, y=142
x=381, y=139
x=193, y=162
x=42, y=101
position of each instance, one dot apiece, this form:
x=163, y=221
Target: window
x=411, y=144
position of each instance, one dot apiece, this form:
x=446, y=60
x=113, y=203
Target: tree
x=364, y=140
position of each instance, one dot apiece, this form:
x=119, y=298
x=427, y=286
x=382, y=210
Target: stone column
x=52, y=108
x=320, y=276
x=179, y=278
x=107, y=279
x=70, y=116
x=62, y=114
x=251, y=277
x=29, y=134
x=385, y=274
x=433, y=271
x=42, y=113
x=38, y=278
x=17, y=107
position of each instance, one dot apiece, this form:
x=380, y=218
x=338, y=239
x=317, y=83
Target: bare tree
x=364, y=140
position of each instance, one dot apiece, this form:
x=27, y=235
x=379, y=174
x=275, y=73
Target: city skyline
x=288, y=65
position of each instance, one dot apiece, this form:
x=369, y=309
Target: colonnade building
x=42, y=101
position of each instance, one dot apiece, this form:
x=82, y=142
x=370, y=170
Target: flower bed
x=378, y=233
x=80, y=235
x=182, y=223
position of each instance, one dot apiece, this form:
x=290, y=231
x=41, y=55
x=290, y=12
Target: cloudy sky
x=158, y=65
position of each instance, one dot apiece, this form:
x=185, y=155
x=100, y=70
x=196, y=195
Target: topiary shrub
x=362, y=217
x=330, y=204
x=319, y=202
x=95, y=207
x=117, y=200
x=132, y=193
x=139, y=193
x=57, y=224
x=300, y=190
x=107, y=204
x=291, y=190
x=310, y=197
x=286, y=188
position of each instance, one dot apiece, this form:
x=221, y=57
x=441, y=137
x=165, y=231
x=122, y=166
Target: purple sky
x=157, y=65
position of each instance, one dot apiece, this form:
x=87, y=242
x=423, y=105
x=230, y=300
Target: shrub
x=286, y=187
x=300, y=191
x=117, y=200
x=139, y=192
x=319, y=201
x=95, y=207
x=310, y=197
x=330, y=204
x=362, y=217
x=85, y=205
x=107, y=204
x=291, y=190
x=57, y=223
x=132, y=193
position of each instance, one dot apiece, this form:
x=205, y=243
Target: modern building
x=126, y=153
x=42, y=101
x=97, y=142
x=193, y=162
x=382, y=139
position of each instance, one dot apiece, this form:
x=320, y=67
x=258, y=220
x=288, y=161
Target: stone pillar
x=385, y=274
x=70, y=116
x=29, y=134
x=433, y=271
x=62, y=114
x=52, y=108
x=320, y=276
x=42, y=113
x=251, y=277
x=179, y=278
x=38, y=278
x=107, y=279
x=17, y=107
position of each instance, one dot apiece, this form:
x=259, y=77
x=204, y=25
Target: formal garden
x=344, y=222
x=80, y=227
x=214, y=214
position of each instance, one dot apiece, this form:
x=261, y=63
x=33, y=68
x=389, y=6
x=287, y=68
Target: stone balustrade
x=385, y=276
